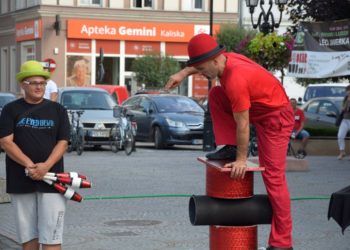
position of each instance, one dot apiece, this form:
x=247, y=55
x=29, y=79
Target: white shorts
x=39, y=216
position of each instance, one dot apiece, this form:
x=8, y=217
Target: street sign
x=49, y=64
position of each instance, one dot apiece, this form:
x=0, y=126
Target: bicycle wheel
x=129, y=142
x=71, y=143
x=80, y=141
x=114, y=136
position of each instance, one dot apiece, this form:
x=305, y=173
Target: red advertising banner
x=79, y=46
x=134, y=31
x=28, y=30
x=141, y=48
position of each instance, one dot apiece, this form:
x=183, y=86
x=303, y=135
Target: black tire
x=254, y=149
x=80, y=141
x=158, y=138
x=70, y=143
x=113, y=138
x=129, y=142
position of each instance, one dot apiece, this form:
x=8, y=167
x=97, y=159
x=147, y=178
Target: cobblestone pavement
x=141, y=202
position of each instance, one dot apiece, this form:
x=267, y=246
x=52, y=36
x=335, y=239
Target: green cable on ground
x=115, y=197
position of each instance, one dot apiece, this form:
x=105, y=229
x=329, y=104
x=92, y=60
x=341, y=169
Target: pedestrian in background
x=299, y=133
x=34, y=133
x=51, y=91
x=248, y=94
x=344, y=125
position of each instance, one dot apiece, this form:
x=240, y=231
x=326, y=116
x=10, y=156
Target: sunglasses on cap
x=35, y=83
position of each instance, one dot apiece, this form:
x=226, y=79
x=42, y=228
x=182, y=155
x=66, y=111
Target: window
x=313, y=107
x=142, y=3
x=90, y=2
x=198, y=4
x=192, y=5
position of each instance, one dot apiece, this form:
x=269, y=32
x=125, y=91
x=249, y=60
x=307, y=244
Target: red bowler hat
x=202, y=48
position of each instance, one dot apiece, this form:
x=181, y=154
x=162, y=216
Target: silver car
x=97, y=119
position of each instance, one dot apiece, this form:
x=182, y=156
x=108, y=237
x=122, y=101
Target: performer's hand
x=238, y=169
x=174, y=80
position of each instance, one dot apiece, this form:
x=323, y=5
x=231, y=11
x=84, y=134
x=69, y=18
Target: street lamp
x=264, y=17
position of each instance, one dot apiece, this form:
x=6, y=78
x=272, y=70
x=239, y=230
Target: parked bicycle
x=122, y=134
x=76, y=140
x=253, y=142
x=299, y=154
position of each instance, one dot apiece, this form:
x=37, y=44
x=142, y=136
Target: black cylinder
x=205, y=210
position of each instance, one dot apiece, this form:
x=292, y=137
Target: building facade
x=70, y=35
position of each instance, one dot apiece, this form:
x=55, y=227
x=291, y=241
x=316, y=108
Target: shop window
x=91, y=2
x=128, y=63
x=142, y=3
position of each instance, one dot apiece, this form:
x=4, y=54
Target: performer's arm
x=239, y=166
x=176, y=79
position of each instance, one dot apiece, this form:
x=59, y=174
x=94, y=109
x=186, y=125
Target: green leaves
x=154, y=70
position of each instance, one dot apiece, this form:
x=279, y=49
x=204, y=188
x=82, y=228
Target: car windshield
x=323, y=91
x=176, y=104
x=6, y=99
x=87, y=100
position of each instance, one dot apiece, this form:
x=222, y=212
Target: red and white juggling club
x=67, y=192
x=67, y=174
x=74, y=182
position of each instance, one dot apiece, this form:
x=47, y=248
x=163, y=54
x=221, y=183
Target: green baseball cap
x=32, y=68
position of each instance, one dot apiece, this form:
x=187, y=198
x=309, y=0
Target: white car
x=97, y=119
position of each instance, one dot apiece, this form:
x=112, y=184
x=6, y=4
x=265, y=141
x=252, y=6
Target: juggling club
x=67, y=192
x=74, y=182
x=67, y=174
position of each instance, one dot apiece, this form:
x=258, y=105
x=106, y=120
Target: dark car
x=322, y=112
x=5, y=98
x=167, y=119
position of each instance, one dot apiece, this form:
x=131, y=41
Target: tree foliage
x=235, y=38
x=317, y=10
x=154, y=70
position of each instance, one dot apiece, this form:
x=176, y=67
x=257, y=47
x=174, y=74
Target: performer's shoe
x=278, y=248
x=227, y=152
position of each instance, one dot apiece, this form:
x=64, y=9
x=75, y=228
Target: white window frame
x=90, y=3
x=194, y=5
x=143, y=5
x=4, y=60
x=27, y=56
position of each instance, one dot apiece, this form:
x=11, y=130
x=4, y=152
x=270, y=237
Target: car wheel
x=158, y=138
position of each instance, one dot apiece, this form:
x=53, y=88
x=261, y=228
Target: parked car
x=6, y=97
x=322, y=112
x=119, y=93
x=324, y=90
x=97, y=119
x=167, y=119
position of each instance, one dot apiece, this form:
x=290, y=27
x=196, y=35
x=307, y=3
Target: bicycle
x=253, y=142
x=300, y=154
x=122, y=134
x=76, y=138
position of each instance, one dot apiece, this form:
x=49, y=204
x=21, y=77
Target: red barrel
x=233, y=238
x=221, y=185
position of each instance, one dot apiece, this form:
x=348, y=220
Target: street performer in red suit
x=248, y=94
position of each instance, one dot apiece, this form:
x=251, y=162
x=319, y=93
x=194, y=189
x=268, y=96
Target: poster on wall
x=78, y=71
x=321, y=50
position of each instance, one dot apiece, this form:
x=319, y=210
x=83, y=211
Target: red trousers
x=273, y=129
